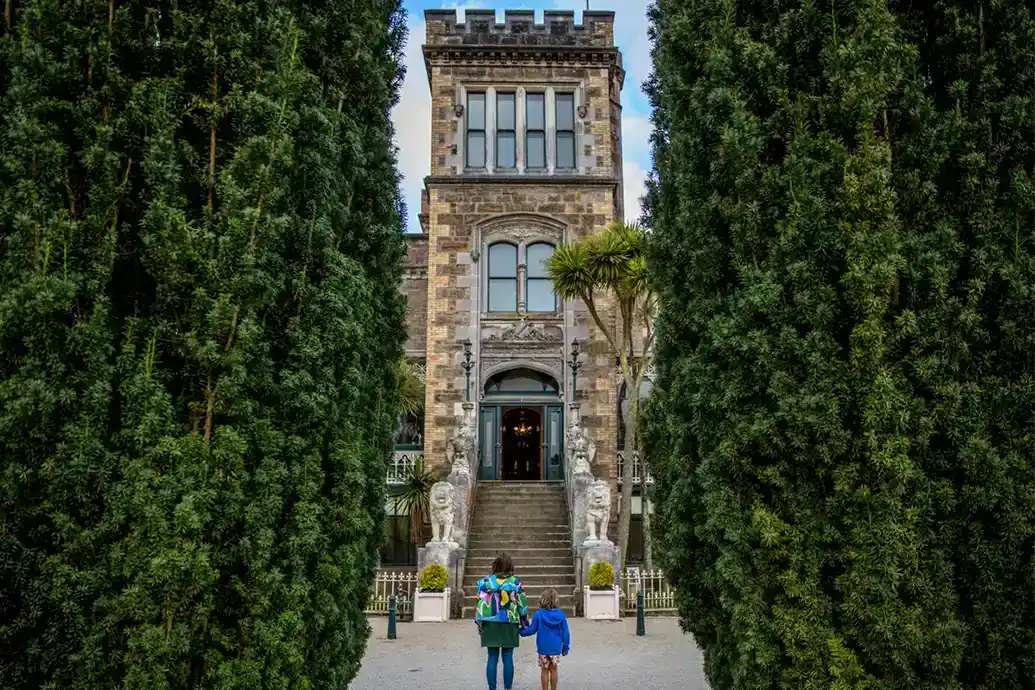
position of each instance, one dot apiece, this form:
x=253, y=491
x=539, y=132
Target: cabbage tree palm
x=411, y=388
x=610, y=269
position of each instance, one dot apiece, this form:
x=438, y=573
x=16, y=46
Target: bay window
x=514, y=130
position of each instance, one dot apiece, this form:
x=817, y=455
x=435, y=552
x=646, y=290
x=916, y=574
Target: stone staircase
x=528, y=520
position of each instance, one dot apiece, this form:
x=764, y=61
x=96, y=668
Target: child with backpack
x=553, y=638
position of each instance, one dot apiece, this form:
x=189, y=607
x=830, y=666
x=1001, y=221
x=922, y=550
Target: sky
x=412, y=117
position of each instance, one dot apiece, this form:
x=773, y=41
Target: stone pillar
x=594, y=552
x=443, y=553
x=449, y=550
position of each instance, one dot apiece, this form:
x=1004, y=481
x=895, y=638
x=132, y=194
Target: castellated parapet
x=519, y=29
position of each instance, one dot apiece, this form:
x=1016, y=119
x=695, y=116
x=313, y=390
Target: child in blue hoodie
x=552, y=637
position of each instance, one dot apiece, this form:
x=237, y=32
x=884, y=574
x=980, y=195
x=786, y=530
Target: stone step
x=517, y=552
x=538, y=571
x=518, y=516
x=520, y=510
x=514, y=521
x=545, y=566
x=521, y=492
x=526, y=564
x=502, y=502
x=550, y=577
x=508, y=542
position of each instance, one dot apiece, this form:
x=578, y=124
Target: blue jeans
x=492, y=667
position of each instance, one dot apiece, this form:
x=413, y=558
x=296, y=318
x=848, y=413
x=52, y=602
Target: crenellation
x=519, y=28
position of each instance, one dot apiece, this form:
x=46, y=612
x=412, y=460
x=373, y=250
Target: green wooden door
x=488, y=443
x=554, y=442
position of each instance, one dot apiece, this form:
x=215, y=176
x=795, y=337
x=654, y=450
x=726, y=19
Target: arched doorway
x=521, y=427
x=522, y=444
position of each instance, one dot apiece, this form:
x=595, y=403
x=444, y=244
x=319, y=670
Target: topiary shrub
x=433, y=579
x=601, y=576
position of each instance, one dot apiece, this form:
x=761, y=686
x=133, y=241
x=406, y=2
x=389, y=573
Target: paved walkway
x=446, y=656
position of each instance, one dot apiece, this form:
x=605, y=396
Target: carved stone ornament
x=598, y=511
x=526, y=331
x=458, y=110
x=583, y=111
x=460, y=447
x=580, y=448
x=442, y=511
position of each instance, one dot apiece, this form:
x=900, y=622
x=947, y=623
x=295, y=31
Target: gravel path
x=603, y=655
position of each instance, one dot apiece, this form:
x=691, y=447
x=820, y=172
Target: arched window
x=539, y=292
x=503, y=277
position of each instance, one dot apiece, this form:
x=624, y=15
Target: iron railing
x=659, y=597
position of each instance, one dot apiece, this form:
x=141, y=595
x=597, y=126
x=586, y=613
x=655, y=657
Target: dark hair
x=502, y=565
x=548, y=599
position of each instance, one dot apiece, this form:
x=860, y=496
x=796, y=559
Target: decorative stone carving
x=527, y=331
x=581, y=449
x=460, y=447
x=442, y=510
x=598, y=511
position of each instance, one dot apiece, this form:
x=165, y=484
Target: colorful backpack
x=502, y=601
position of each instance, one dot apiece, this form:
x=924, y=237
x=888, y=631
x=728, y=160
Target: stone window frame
x=522, y=230
x=520, y=90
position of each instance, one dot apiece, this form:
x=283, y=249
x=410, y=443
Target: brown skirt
x=496, y=634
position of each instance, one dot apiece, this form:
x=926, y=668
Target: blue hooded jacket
x=551, y=630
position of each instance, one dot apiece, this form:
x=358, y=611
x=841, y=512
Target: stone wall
x=456, y=213
x=415, y=289
x=594, y=130
x=519, y=28
x=462, y=206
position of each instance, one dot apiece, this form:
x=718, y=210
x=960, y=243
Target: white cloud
x=412, y=119
x=634, y=180
x=412, y=116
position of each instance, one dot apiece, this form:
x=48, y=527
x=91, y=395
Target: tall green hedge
x=843, y=208
x=199, y=317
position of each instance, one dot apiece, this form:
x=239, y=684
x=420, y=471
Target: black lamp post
x=467, y=365
x=575, y=366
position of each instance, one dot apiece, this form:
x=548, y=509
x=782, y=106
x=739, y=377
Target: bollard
x=391, y=617
x=641, y=628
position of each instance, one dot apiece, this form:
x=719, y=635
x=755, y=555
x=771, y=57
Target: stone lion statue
x=598, y=510
x=442, y=510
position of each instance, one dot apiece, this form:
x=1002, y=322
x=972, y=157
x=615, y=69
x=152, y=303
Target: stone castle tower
x=525, y=156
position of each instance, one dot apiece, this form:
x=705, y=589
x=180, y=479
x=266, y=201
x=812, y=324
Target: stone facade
x=465, y=210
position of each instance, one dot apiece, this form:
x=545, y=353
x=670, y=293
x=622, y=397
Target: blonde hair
x=548, y=599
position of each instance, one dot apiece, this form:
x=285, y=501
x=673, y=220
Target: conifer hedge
x=843, y=430
x=200, y=252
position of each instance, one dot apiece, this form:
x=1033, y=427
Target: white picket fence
x=385, y=583
x=659, y=597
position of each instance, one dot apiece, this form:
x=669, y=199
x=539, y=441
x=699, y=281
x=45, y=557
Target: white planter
x=430, y=607
x=601, y=605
